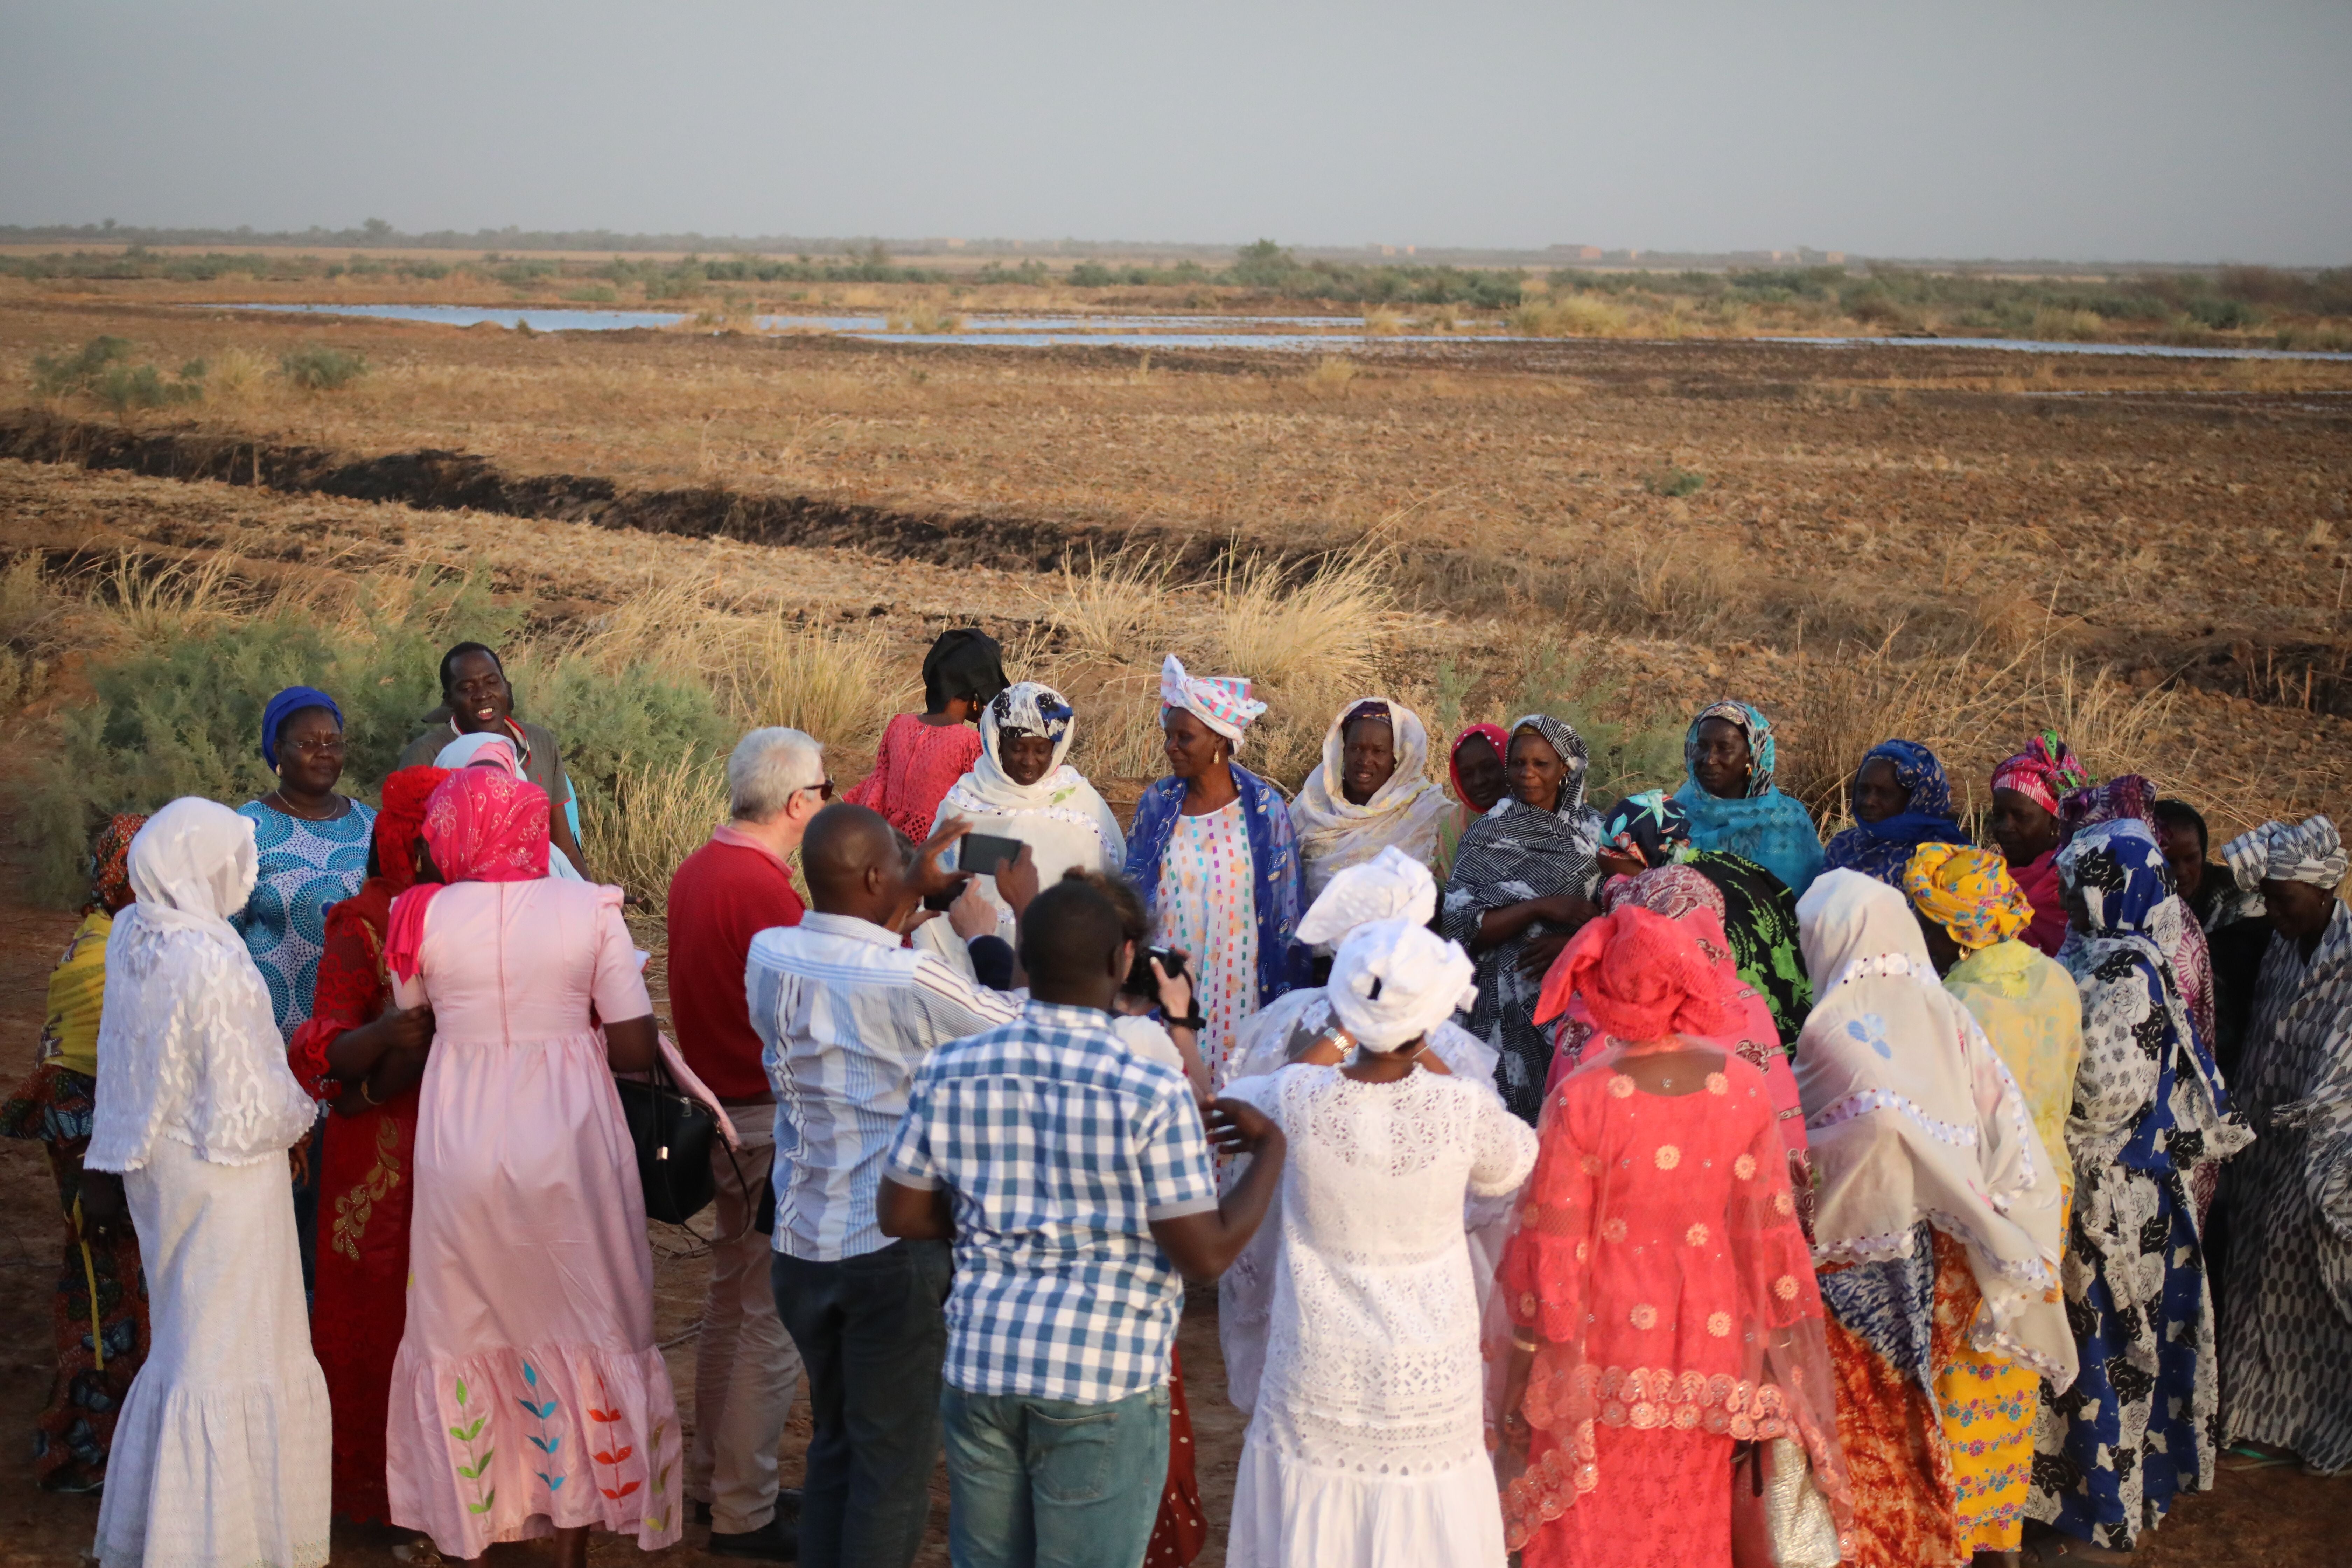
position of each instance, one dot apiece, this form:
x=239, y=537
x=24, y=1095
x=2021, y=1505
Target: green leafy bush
x=318, y=368
x=103, y=372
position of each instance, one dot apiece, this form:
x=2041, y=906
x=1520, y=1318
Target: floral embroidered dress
x=527, y=1394
x=367, y=1174
x=914, y=769
x=305, y=866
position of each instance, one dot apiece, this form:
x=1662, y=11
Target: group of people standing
x=1658, y=1184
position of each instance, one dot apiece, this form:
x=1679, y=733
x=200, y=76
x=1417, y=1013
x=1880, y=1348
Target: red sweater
x=722, y=896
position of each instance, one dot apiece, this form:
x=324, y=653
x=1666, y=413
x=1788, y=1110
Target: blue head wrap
x=284, y=706
x=2119, y=870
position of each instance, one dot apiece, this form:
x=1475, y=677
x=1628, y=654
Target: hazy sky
x=2141, y=129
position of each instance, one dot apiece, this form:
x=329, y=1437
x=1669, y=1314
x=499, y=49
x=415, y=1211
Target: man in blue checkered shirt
x=1075, y=1182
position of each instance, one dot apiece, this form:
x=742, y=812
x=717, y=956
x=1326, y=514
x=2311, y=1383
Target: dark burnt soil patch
x=452, y=480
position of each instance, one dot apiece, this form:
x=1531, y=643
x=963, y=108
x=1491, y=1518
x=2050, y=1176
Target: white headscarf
x=1404, y=813
x=1060, y=817
x=1396, y=980
x=2308, y=851
x=1389, y=884
x=1912, y=1116
x=187, y=1045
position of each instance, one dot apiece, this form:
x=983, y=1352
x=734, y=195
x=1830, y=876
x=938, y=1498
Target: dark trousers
x=873, y=1336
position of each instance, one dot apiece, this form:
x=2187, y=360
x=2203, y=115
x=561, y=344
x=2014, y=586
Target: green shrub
x=1673, y=480
x=103, y=372
x=318, y=368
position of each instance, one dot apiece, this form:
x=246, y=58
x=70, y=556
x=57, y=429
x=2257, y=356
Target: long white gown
x=1367, y=1446
x=222, y=1455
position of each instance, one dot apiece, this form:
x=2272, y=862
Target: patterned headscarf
x=1673, y=891
x=2045, y=772
x=481, y=826
x=284, y=706
x=2128, y=797
x=1651, y=825
x=2118, y=869
x=1969, y=892
x=1883, y=848
x=1222, y=702
x=109, y=856
x=400, y=819
x=1490, y=734
x=1751, y=723
x=2309, y=851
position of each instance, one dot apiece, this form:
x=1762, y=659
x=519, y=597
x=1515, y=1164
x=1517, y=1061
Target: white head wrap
x=2308, y=851
x=1222, y=702
x=187, y=1046
x=1390, y=886
x=1395, y=980
x=1061, y=817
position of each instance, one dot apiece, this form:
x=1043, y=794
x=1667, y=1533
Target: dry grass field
x=2151, y=556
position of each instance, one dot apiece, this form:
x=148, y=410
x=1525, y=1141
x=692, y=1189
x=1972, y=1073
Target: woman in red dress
x=363, y=1057
x=1659, y=1294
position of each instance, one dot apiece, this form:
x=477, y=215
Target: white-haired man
x=747, y=1370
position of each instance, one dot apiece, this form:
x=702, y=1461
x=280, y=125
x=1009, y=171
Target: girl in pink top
x=923, y=754
x=528, y=1397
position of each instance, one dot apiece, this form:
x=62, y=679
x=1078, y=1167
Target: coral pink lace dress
x=528, y=1394
x=1660, y=1268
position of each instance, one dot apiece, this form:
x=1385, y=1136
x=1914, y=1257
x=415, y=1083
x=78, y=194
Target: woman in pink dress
x=528, y=1397
x=1661, y=1298
x=1685, y=894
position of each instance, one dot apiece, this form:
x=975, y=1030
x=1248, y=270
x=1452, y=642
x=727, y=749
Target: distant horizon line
x=377, y=234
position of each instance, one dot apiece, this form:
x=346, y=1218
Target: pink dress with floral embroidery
x=528, y=1394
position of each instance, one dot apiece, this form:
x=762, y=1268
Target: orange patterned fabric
x=1907, y=1506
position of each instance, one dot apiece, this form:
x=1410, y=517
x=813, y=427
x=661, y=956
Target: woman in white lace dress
x=221, y=1454
x=1367, y=1446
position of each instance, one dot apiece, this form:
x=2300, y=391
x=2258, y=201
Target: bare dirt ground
x=2189, y=524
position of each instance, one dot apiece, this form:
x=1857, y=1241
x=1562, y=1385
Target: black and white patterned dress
x=2286, y=1343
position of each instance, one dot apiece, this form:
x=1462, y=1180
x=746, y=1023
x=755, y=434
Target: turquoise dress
x=305, y=866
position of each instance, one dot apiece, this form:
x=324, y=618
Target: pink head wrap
x=482, y=825
x=2045, y=772
x=1490, y=734
x=1644, y=976
x=1222, y=702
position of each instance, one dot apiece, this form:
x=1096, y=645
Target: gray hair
x=769, y=767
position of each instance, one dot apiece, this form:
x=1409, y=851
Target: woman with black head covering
x=923, y=754
x=1522, y=883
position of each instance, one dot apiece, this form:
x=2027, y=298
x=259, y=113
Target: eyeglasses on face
x=333, y=746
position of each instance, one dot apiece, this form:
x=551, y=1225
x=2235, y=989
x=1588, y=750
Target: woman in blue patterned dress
x=2136, y=1429
x=314, y=845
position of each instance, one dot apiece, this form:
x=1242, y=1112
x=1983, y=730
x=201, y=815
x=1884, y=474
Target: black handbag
x=673, y=1131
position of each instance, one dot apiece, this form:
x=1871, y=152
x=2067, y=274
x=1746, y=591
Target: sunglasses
x=823, y=788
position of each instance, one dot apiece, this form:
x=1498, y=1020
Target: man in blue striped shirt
x=1075, y=1179
x=846, y=1013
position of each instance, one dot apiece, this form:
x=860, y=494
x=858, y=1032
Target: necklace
x=334, y=807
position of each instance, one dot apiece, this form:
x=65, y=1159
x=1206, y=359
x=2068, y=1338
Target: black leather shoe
x=774, y=1542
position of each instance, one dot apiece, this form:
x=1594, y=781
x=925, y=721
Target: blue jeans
x=1046, y=1483
x=872, y=1336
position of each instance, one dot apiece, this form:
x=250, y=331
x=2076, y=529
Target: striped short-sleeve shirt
x=1060, y=1148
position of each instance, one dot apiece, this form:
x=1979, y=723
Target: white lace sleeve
x=1503, y=1148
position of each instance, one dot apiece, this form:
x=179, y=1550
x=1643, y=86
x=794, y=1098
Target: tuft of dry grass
x=658, y=814
x=1331, y=377
x=1324, y=628
x=1570, y=316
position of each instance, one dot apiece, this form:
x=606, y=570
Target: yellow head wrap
x=1969, y=892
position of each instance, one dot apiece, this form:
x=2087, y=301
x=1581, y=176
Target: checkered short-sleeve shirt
x=1059, y=1148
